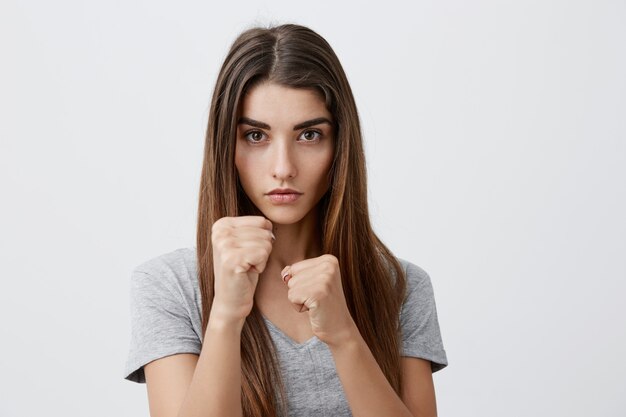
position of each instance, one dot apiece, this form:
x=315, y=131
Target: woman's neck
x=295, y=242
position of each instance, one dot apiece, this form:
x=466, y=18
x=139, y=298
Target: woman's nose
x=283, y=163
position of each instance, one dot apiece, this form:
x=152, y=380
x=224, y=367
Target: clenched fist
x=241, y=248
x=315, y=287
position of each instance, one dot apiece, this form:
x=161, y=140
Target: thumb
x=248, y=268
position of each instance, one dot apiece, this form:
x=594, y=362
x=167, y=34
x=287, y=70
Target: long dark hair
x=373, y=280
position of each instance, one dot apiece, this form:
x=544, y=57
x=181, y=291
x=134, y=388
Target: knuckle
x=259, y=254
x=218, y=233
x=221, y=243
x=221, y=222
x=330, y=257
x=292, y=297
x=290, y=282
x=214, y=230
x=330, y=260
x=230, y=258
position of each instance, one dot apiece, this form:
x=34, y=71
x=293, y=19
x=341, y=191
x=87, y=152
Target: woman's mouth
x=283, y=196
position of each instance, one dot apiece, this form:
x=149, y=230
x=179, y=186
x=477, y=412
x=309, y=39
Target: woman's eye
x=311, y=135
x=254, y=136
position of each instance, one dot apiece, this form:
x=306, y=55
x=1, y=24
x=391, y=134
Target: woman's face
x=284, y=141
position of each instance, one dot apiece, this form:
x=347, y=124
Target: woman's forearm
x=215, y=389
x=366, y=388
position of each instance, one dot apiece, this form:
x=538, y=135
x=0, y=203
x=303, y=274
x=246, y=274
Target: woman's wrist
x=348, y=336
x=219, y=321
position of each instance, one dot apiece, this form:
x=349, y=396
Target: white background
x=496, y=145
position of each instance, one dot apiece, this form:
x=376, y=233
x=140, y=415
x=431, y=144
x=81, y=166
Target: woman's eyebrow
x=252, y=122
x=312, y=122
x=308, y=123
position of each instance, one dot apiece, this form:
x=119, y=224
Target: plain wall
x=496, y=149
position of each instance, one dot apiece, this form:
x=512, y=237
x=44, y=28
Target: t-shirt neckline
x=288, y=339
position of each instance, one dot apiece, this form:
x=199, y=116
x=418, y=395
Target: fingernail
x=273, y=237
x=285, y=275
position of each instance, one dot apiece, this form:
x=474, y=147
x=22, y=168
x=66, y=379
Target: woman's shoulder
x=421, y=336
x=415, y=275
x=169, y=261
x=175, y=271
x=413, y=271
x=165, y=310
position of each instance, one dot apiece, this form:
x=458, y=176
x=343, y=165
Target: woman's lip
x=284, y=191
x=283, y=198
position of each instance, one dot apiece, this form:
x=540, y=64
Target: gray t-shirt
x=165, y=314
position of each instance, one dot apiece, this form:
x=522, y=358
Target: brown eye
x=254, y=136
x=311, y=135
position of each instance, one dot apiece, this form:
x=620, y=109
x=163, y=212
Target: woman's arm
x=241, y=247
x=418, y=388
x=367, y=390
x=215, y=389
x=316, y=284
x=212, y=389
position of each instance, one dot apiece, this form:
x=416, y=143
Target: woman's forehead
x=279, y=105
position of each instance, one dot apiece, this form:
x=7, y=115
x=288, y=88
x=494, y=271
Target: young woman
x=289, y=305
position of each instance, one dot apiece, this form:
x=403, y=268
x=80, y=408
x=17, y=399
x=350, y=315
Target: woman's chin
x=284, y=215
x=282, y=219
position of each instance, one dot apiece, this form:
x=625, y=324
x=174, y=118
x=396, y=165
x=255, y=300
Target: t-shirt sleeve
x=421, y=336
x=160, y=324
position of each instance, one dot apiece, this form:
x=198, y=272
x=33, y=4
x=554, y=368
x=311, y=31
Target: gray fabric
x=165, y=314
